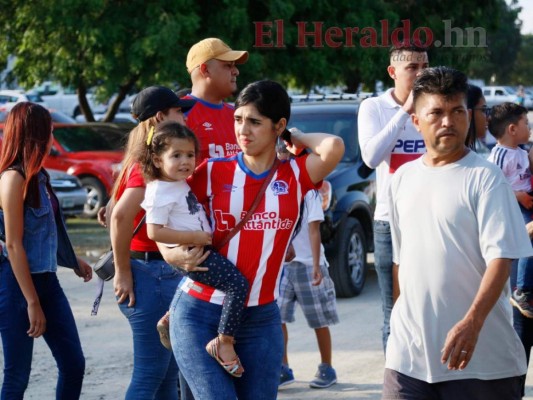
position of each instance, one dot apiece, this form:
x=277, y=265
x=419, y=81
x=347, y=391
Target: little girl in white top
x=174, y=216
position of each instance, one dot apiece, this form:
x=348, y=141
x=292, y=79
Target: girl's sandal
x=234, y=368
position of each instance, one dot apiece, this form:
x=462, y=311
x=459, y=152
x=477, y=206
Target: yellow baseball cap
x=213, y=48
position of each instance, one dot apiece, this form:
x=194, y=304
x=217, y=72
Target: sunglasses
x=484, y=109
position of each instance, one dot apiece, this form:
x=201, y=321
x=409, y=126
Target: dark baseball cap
x=153, y=99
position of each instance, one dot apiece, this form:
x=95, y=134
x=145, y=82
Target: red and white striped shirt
x=229, y=188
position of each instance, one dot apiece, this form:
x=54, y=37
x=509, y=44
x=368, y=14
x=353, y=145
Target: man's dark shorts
x=398, y=386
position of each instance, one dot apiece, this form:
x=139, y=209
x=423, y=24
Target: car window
x=7, y=99
x=340, y=124
x=34, y=97
x=81, y=138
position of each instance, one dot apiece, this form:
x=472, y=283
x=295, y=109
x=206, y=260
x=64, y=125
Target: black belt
x=146, y=255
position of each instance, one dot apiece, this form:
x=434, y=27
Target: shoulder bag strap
x=139, y=225
x=254, y=205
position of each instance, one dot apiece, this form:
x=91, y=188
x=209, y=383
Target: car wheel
x=349, y=267
x=96, y=196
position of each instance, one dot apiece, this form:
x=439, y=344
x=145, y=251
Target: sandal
x=234, y=368
x=164, y=331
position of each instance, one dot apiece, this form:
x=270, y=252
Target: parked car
x=9, y=98
x=57, y=116
x=495, y=95
x=66, y=99
x=91, y=152
x=120, y=118
x=70, y=193
x=350, y=194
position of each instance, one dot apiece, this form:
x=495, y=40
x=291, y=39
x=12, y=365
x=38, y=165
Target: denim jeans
x=522, y=325
x=383, y=265
x=524, y=277
x=61, y=335
x=155, y=373
x=259, y=345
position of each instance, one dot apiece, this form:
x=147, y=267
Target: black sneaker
x=522, y=301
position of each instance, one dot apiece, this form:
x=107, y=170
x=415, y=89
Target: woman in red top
x=144, y=283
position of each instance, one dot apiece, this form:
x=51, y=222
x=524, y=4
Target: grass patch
x=88, y=237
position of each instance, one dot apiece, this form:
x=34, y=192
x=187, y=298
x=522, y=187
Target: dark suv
x=347, y=229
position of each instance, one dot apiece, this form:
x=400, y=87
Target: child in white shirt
x=174, y=216
x=509, y=125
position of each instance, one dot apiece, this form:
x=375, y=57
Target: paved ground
x=106, y=338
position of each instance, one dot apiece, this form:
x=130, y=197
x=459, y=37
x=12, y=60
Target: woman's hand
x=101, y=216
x=123, y=285
x=85, y=271
x=184, y=257
x=296, y=146
x=37, y=320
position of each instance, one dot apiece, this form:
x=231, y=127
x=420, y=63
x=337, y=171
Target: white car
x=120, y=117
x=9, y=98
x=495, y=95
x=66, y=99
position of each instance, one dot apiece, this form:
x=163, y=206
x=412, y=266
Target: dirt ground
x=106, y=339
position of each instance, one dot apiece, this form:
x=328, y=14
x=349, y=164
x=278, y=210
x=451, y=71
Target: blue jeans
x=524, y=278
x=61, y=335
x=383, y=265
x=259, y=345
x=522, y=325
x=155, y=373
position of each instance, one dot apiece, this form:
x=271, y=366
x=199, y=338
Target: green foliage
x=114, y=45
x=119, y=46
x=524, y=63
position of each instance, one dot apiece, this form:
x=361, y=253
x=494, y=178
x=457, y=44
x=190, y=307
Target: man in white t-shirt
x=388, y=139
x=455, y=229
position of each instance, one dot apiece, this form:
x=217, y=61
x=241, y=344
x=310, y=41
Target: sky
x=526, y=16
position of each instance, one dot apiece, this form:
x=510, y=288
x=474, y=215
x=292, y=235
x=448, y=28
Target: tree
x=114, y=45
x=119, y=45
x=524, y=63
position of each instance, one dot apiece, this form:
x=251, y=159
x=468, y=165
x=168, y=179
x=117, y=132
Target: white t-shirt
x=312, y=212
x=175, y=206
x=447, y=224
x=388, y=139
x=514, y=164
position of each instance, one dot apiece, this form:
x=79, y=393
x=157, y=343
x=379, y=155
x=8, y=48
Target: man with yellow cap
x=213, y=68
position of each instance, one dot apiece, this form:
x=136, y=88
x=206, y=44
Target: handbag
x=105, y=266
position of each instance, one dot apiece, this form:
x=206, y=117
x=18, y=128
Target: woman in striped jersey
x=228, y=187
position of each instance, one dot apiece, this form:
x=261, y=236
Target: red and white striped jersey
x=213, y=125
x=229, y=188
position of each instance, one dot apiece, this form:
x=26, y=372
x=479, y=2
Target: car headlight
x=326, y=192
